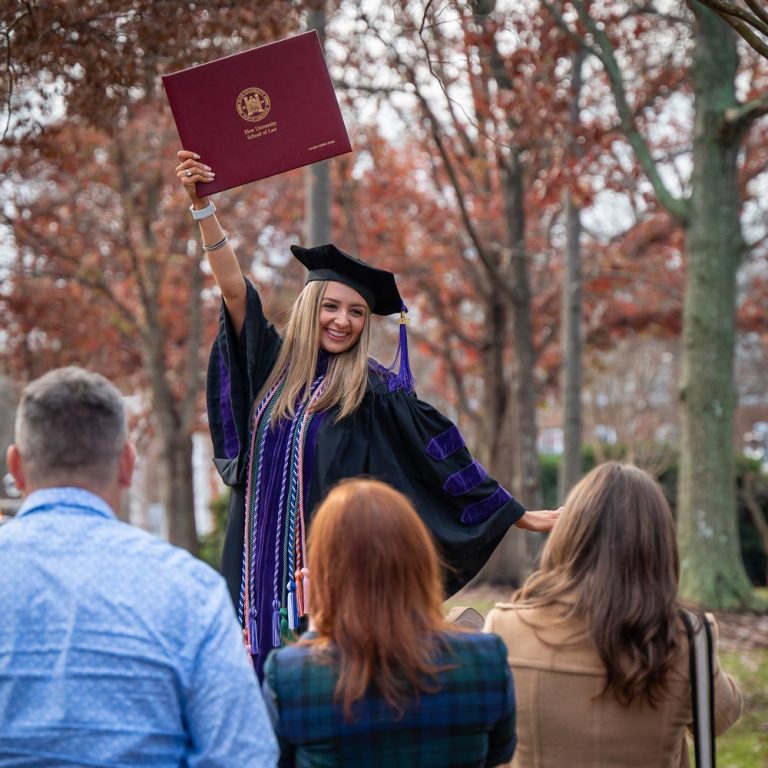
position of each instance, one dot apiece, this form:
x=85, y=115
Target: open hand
x=539, y=520
x=190, y=171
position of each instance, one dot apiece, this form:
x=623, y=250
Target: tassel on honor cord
x=302, y=590
x=275, y=623
x=253, y=637
x=293, y=613
x=299, y=576
x=404, y=379
x=284, y=636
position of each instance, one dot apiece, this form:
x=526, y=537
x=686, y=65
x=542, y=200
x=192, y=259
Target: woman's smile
x=342, y=317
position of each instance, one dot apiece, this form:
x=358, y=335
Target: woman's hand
x=539, y=520
x=190, y=171
x=221, y=258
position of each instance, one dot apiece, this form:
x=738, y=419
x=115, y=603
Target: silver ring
x=187, y=172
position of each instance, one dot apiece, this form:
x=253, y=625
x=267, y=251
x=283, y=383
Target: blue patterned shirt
x=117, y=649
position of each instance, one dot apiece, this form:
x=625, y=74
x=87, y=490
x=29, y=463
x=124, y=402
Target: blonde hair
x=614, y=550
x=376, y=593
x=347, y=374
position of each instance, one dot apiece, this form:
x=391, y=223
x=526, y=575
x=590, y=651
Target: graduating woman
x=292, y=415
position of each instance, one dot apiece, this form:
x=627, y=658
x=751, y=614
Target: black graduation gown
x=393, y=436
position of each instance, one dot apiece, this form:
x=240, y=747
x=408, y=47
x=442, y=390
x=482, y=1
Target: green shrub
x=212, y=543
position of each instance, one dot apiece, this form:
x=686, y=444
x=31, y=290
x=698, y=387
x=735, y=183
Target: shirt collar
x=46, y=499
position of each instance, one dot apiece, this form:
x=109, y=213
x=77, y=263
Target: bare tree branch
x=450, y=167
x=744, y=114
x=602, y=48
x=9, y=64
x=759, y=10
x=751, y=25
x=451, y=101
x=727, y=10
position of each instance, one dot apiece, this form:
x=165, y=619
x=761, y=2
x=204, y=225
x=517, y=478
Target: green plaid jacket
x=469, y=721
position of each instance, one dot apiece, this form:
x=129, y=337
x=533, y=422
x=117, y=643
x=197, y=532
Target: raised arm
x=222, y=259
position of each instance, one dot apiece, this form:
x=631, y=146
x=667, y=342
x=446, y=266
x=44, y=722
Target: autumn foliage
x=469, y=137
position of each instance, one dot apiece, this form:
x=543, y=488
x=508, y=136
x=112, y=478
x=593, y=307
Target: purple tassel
x=404, y=379
x=275, y=623
x=252, y=632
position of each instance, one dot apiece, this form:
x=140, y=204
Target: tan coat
x=562, y=720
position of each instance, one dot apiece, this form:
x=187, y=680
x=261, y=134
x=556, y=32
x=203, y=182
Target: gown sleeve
x=237, y=370
x=421, y=452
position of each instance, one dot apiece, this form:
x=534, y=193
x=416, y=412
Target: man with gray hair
x=116, y=649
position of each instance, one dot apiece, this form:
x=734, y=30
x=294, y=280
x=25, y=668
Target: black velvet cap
x=376, y=286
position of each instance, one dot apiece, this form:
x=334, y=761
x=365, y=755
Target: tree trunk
x=317, y=185
x=516, y=444
x=174, y=418
x=527, y=481
x=712, y=570
x=525, y=460
x=516, y=438
x=178, y=493
x=571, y=344
x=509, y=564
x=317, y=204
x=571, y=332
x=176, y=457
x=496, y=391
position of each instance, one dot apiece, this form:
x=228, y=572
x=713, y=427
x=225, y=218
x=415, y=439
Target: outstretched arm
x=223, y=262
x=539, y=520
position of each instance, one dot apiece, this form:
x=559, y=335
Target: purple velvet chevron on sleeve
x=445, y=443
x=465, y=480
x=231, y=443
x=480, y=511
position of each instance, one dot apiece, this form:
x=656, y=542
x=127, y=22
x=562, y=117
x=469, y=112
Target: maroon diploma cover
x=258, y=113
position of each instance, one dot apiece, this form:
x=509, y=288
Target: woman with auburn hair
x=381, y=679
x=291, y=415
x=597, y=647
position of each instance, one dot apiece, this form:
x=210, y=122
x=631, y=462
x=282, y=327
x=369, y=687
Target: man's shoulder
x=91, y=535
x=130, y=552
x=173, y=561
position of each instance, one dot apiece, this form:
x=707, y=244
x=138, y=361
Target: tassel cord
x=250, y=511
x=289, y=469
x=295, y=518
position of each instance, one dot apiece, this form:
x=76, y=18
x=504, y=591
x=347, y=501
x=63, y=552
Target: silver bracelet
x=202, y=213
x=215, y=246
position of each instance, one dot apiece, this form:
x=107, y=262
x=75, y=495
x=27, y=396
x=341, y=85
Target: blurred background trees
x=571, y=193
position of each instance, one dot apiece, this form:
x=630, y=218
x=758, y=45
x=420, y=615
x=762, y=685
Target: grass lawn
x=746, y=744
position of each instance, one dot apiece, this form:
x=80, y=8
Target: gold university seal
x=253, y=104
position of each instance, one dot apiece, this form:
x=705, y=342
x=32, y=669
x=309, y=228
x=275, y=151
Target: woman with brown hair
x=597, y=647
x=381, y=679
